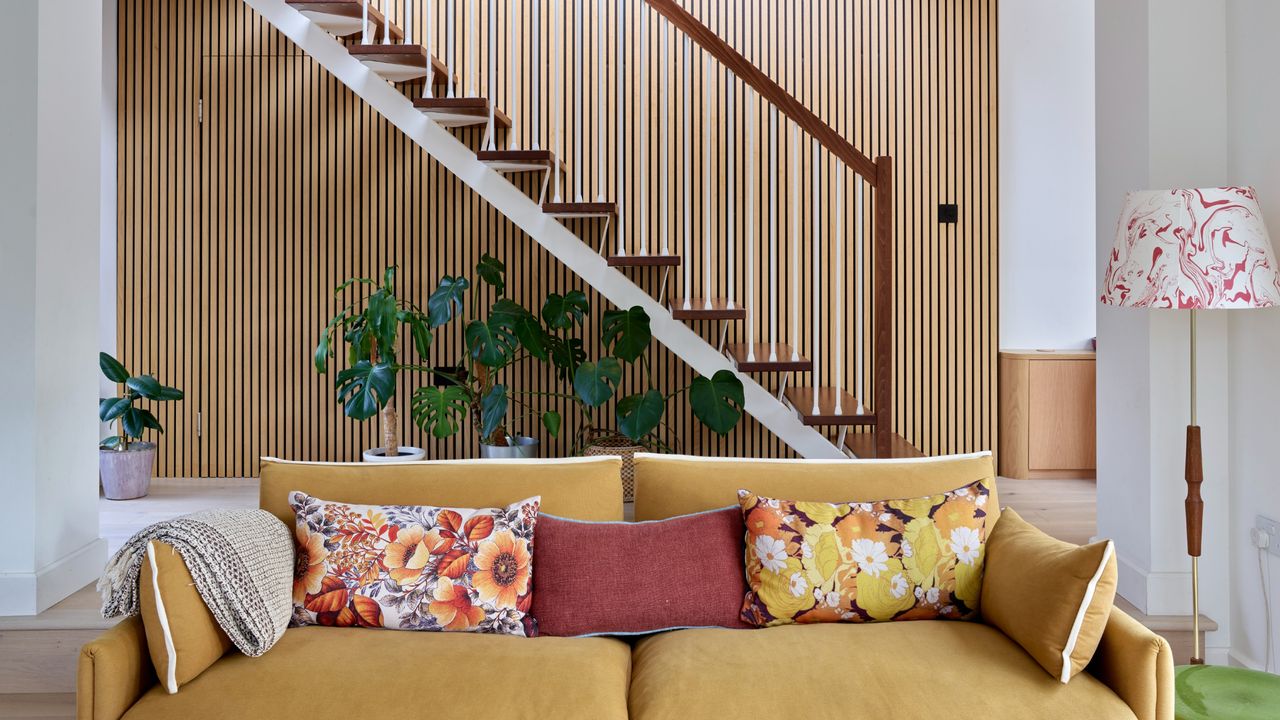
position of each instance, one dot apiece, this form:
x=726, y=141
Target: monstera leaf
x=491, y=270
x=566, y=355
x=551, y=420
x=493, y=343
x=493, y=408
x=526, y=327
x=626, y=333
x=365, y=388
x=594, y=382
x=638, y=415
x=717, y=401
x=562, y=312
x=439, y=410
x=446, y=299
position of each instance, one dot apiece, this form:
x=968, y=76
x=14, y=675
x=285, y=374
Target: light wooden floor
x=1062, y=508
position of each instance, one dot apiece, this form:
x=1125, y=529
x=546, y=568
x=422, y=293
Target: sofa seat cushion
x=329, y=672
x=926, y=669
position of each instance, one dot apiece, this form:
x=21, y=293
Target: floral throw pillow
x=913, y=559
x=411, y=567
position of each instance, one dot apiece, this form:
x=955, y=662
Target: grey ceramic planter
x=127, y=475
x=521, y=447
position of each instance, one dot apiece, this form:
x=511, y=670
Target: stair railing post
x=642, y=154
x=492, y=91
x=535, y=104
x=731, y=187
x=427, y=42
x=386, y=23
x=578, y=164
x=408, y=22
x=687, y=260
x=837, y=285
x=816, y=281
x=513, y=64
x=859, y=337
x=364, y=22
x=882, y=320
x=707, y=99
x=557, y=76
x=620, y=102
x=793, y=209
x=664, y=146
x=773, y=233
x=473, y=39
x=750, y=222
x=598, y=74
x=450, y=30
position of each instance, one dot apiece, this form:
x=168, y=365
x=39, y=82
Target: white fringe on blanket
x=242, y=564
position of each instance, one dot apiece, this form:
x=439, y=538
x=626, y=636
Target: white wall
x=1047, y=282
x=1149, y=53
x=1254, y=159
x=50, y=127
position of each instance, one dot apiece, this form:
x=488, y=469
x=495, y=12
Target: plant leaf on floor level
x=717, y=401
x=439, y=410
x=595, y=381
x=639, y=415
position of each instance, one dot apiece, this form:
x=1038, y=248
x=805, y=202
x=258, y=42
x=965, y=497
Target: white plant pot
x=407, y=454
x=126, y=474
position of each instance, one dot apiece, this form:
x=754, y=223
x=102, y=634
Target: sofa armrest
x=1137, y=665
x=114, y=670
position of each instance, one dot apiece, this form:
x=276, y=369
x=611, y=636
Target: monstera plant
x=370, y=328
x=499, y=332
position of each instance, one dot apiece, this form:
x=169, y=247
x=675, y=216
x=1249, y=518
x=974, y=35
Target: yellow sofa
x=952, y=669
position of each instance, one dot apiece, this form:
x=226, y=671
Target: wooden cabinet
x=1048, y=414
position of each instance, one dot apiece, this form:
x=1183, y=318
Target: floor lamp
x=1197, y=249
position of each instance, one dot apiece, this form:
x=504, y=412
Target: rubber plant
x=131, y=421
x=369, y=326
x=498, y=332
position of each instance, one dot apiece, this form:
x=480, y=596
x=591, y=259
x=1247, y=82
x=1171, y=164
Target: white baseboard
x=33, y=593
x=1154, y=593
x=1237, y=658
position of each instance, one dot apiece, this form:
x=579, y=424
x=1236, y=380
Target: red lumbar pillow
x=619, y=578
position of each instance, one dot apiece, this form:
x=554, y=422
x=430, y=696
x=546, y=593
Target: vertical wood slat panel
x=233, y=231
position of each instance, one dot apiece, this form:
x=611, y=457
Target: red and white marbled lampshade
x=1204, y=248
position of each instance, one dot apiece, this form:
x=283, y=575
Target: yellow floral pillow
x=916, y=559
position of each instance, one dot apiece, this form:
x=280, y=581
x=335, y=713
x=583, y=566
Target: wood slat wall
x=251, y=183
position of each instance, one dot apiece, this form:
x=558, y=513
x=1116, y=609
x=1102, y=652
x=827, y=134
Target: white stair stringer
x=509, y=200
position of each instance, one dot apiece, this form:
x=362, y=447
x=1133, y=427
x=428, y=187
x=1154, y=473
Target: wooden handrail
x=768, y=89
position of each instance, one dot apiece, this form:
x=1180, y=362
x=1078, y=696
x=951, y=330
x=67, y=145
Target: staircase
x=433, y=66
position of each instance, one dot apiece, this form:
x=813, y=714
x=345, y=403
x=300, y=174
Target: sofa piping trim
x=171, y=672
x=1084, y=606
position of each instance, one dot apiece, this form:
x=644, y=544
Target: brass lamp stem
x=1194, y=504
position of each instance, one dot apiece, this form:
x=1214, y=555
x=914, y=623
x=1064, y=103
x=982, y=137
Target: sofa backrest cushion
x=183, y=636
x=670, y=485
x=579, y=488
x=621, y=578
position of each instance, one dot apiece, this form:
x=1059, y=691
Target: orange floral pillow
x=409, y=567
x=911, y=559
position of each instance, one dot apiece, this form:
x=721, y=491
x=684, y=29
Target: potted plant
x=496, y=335
x=369, y=326
x=124, y=460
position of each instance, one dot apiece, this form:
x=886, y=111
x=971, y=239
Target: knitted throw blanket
x=242, y=564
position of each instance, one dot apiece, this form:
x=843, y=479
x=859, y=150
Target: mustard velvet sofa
x=934, y=669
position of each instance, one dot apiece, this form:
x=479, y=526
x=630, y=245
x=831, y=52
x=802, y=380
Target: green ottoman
x=1216, y=692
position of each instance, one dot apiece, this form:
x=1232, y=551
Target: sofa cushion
x=183, y=637
x=631, y=578
x=909, y=559
x=958, y=671
x=580, y=488
x=316, y=672
x=671, y=485
x=414, y=567
x=1053, y=598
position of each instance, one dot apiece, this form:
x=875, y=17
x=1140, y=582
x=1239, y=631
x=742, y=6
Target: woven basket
x=619, y=445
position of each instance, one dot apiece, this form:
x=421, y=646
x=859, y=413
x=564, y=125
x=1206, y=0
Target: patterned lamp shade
x=1204, y=248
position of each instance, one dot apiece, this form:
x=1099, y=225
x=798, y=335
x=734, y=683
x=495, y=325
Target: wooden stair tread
x=643, y=260
x=698, y=310
x=400, y=63
x=579, y=209
x=739, y=352
x=517, y=161
x=863, y=445
x=343, y=17
x=459, y=112
x=801, y=400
